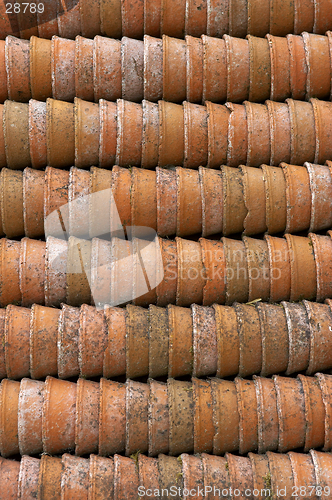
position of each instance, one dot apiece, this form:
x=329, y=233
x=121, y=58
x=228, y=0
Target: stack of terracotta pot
x=173, y=201
x=124, y=332
x=173, y=341
x=61, y=134
x=213, y=416
x=173, y=17
x=196, y=70
x=98, y=478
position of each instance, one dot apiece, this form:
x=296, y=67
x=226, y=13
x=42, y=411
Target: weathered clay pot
x=322, y=17
x=167, y=289
x=68, y=330
x=10, y=282
x=137, y=342
x=237, y=275
x=291, y=413
x=112, y=417
x=323, y=130
x=40, y=68
x=259, y=148
x=78, y=203
x=302, y=257
x=69, y=22
x=280, y=269
x=298, y=196
x=303, y=141
x=158, y=341
x=170, y=472
x=280, y=132
x=267, y=414
x=215, y=472
x=37, y=134
x=9, y=22
x=47, y=21
x=60, y=130
x=259, y=68
x=63, y=68
x=260, y=470
x=281, y=17
x=132, y=25
x=218, y=117
x=92, y=341
x=143, y=198
x=125, y=477
x=30, y=417
x=114, y=362
x=84, y=68
x=174, y=69
x=101, y=477
x=195, y=135
x=87, y=417
x=32, y=271
x=226, y=416
x=257, y=255
x=194, y=64
x=74, y=477
x=319, y=316
x=240, y=473
x=322, y=464
x=33, y=202
x=172, y=22
x=314, y=412
x=281, y=474
x=171, y=139
x=204, y=341
x=181, y=417
x=137, y=396
x=90, y=18
x=299, y=337
x=59, y=412
x=258, y=18
x=144, y=282
x=3, y=159
x=298, y=66
x=166, y=187
x=275, y=345
x=212, y=201
x=250, y=339
x=132, y=69
x=9, y=470
x=55, y=197
x=280, y=67
x=28, y=478
x=255, y=198
x=148, y=472
x=189, y=204
x=303, y=17
x=16, y=134
x=192, y=471
x=153, y=68
x=322, y=250
x=203, y=416
x=108, y=127
x=238, y=18
x=122, y=271
x=234, y=210
x=3, y=372
x=11, y=199
x=49, y=483
x=107, y=67
x=275, y=203
x=78, y=271
x=320, y=182
x=237, y=135
x=318, y=63
x=238, y=80
x=191, y=278
x=150, y=134
x=129, y=133
x=9, y=396
x=110, y=18
x=17, y=342
x=196, y=18
x=100, y=197
x=180, y=328
x=325, y=386
x=55, y=271
x=228, y=341
x=158, y=413
x=247, y=407
x=43, y=337
x=17, y=66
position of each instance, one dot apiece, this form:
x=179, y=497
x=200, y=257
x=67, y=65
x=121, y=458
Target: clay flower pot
x=78, y=268
x=189, y=202
x=319, y=316
x=250, y=340
x=3, y=158
x=90, y=18
x=86, y=133
x=28, y=478
x=180, y=341
x=9, y=396
x=110, y=18
x=40, y=68
x=259, y=150
x=112, y=417
x=280, y=68
x=281, y=473
x=17, y=342
x=247, y=407
x=143, y=198
x=92, y=341
x=195, y=135
x=137, y=342
x=280, y=269
x=275, y=202
x=192, y=471
x=33, y=202
x=317, y=59
x=172, y=22
x=234, y=211
x=298, y=66
x=166, y=187
x=314, y=412
x=166, y=290
x=237, y=275
x=101, y=477
x=237, y=147
x=259, y=69
x=125, y=477
x=69, y=22
x=152, y=18
x=181, y=417
x=170, y=472
x=30, y=417
x=174, y=69
x=203, y=416
x=132, y=69
x=325, y=386
x=114, y=362
x=214, y=70
x=298, y=196
x=16, y=134
x=107, y=67
x=214, y=263
x=148, y=472
x=240, y=473
x=226, y=416
x=218, y=117
x=302, y=119
x=32, y=271
x=256, y=199
x=49, y=483
x=63, y=68
x=158, y=423
x=320, y=182
x=238, y=18
x=323, y=128
x=267, y=414
x=68, y=331
x=257, y=255
x=10, y=282
x=211, y=184
x=3, y=373
x=196, y=18
x=78, y=203
x=87, y=417
x=101, y=183
x=150, y=135
x=11, y=192
x=299, y=337
x=3, y=73
x=84, y=68
x=55, y=196
x=194, y=64
x=9, y=471
x=215, y=472
x=190, y=273
x=204, y=341
x=132, y=25
x=129, y=133
x=237, y=54
x=322, y=248
x=60, y=133
x=17, y=66
x=280, y=132
x=322, y=464
x=228, y=342
x=137, y=395
x=302, y=257
x=55, y=271
x=158, y=341
x=171, y=139
x=43, y=336
x=74, y=477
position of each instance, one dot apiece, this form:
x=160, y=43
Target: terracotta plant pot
x=302, y=257
x=137, y=395
x=240, y=473
x=237, y=135
x=55, y=271
x=195, y=135
x=55, y=196
x=101, y=477
x=248, y=320
x=43, y=336
x=40, y=68
x=247, y=407
x=63, y=68
x=171, y=138
x=280, y=132
x=190, y=273
x=84, y=67
x=228, y=350
x=281, y=474
x=75, y=477
x=237, y=275
x=217, y=18
x=137, y=342
x=203, y=416
x=280, y=269
x=101, y=183
x=3, y=159
x=11, y=192
x=204, y=343
x=322, y=248
x=189, y=204
x=150, y=134
x=267, y=414
x=259, y=69
x=112, y=417
x=299, y=337
x=129, y=133
x=90, y=18
x=218, y=117
x=148, y=472
x=32, y=271
x=181, y=417
x=87, y=417
x=298, y=66
x=86, y=133
x=92, y=341
x=166, y=290
x=143, y=198
x=320, y=182
x=68, y=330
x=323, y=128
x=107, y=66
x=114, y=362
x=180, y=341
x=132, y=25
x=28, y=478
x=17, y=342
x=172, y=21
x=275, y=202
x=226, y=416
x=10, y=282
x=132, y=69
x=314, y=412
x=9, y=394
x=78, y=203
x=170, y=472
x=238, y=19
x=17, y=65
x=125, y=477
x=256, y=198
x=194, y=64
x=257, y=256
x=30, y=417
x=196, y=18
x=78, y=269
x=110, y=18
x=211, y=183
x=9, y=471
x=33, y=202
x=60, y=133
x=317, y=57
x=325, y=387
x=16, y=134
x=166, y=187
x=174, y=69
x=302, y=121
x=108, y=127
x=234, y=210
x=3, y=373
x=49, y=484
x=298, y=196
x=158, y=341
x=280, y=67
x=158, y=413
x=238, y=79
x=259, y=149
x=69, y=22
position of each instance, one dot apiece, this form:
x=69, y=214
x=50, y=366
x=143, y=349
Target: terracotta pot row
x=196, y=70
x=213, y=416
x=164, y=272
x=60, y=134
x=171, y=17
x=155, y=342
x=98, y=478
x=170, y=201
